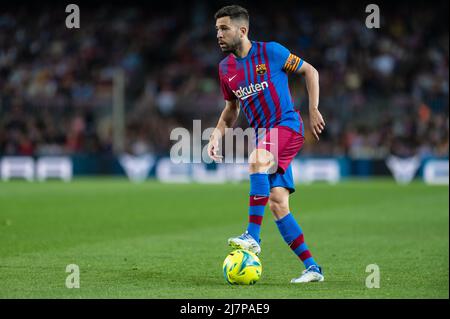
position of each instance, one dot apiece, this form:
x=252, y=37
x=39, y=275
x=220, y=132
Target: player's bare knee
x=259, y=167
x=279, y=202
x=261, y=161
x=273, y=206
x=278, y=207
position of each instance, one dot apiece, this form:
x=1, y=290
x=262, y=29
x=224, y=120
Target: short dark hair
x=234, y=12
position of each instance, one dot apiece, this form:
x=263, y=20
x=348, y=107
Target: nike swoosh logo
x=267, y=143
x=258, y=198
x=247, y=96
x=231, y=79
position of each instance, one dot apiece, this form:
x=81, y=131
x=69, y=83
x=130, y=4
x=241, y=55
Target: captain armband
x=293, y=62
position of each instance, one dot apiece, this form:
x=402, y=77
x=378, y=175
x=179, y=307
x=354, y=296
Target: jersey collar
x=249, y=54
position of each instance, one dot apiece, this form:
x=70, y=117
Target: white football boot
x=246, y=242
x=311, y=274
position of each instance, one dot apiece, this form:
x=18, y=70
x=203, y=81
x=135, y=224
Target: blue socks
x=259, y=196
x=293, y=236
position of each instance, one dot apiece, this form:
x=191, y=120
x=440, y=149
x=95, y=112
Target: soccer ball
x=242, y=267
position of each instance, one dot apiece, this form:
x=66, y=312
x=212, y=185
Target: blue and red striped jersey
x=260, y=82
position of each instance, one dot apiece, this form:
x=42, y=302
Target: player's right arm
x=227, y=119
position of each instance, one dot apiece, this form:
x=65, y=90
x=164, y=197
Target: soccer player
x=254, y=78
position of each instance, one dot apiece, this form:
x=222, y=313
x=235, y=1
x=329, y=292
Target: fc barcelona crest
x=261, y=69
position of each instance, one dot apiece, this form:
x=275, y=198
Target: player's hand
x=317, y=122
x=213, y=148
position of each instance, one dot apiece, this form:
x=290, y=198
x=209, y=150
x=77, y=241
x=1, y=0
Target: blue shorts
x=285, y=180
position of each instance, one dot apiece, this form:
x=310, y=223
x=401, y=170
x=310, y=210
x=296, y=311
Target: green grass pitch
x=155, y=240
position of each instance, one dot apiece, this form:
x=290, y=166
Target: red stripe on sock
x=305, y=255
x=258, y=200
x=255, y=219
x=297, y=242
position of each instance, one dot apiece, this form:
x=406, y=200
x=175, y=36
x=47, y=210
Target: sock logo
x=259, y=197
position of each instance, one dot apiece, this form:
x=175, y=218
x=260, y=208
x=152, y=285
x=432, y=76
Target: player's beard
x=234, y=47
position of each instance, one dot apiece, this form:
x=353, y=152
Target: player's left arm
x=290, y=63
x=312, y=85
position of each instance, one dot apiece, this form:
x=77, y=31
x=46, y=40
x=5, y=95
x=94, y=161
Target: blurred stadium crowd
x=382, y=90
